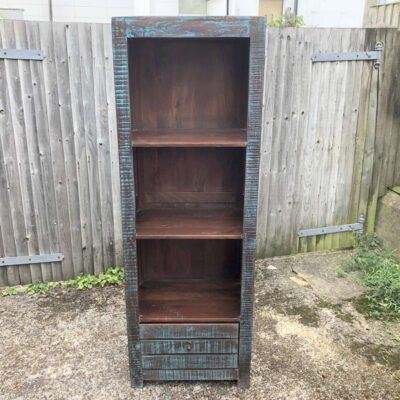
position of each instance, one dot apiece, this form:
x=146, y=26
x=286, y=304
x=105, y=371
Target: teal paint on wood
x=190, y=375
x=193, y=361
x=189, y=27
x=191, y=331
x=198, y=346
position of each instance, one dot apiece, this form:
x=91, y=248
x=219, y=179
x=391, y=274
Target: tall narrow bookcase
x=189, y=102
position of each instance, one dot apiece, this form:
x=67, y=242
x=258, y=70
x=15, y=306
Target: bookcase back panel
x=189, y=83
x=189, y=259
x=189, y=176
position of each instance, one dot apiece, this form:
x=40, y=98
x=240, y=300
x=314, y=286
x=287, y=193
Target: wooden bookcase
x=189, y=101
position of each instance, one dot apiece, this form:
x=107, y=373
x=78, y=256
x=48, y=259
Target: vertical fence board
x=15, y=157
x=91, y=143
x=103, y=144
x=112, y=132
x=74, y=66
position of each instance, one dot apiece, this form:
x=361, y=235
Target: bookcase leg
x=244, y=381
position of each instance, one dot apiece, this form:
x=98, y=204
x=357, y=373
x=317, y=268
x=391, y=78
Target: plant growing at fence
x=380, y=275
x=9, y=291
x=287, y=20
x=110, y=277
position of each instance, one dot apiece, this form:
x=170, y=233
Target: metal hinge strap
x=22, y=54
x=373, y=55
x=36, y=259
x=357, y=226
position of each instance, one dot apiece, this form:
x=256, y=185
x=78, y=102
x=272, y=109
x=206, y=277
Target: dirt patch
x=309, y=343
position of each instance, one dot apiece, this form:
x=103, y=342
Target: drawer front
x=190, y=375
x=190, y=346
x=193, y=361
x=189, y=331
x=189, y=351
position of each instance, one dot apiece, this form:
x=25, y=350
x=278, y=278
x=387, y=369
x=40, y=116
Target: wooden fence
x=330, y=141
x=331, y=136
x=382, y=15
x=59, y=182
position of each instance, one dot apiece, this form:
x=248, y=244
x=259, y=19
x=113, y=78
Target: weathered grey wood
x=178, y=361
x=13, y=151
x=103, y=146
x=189, y=346
x=89, y=114
x=35, y=127
x=60, y=233
x=112, y=132
x=70, y=180
x=50, y=236
x=183, y=331
x=77, y=95
x=190, y=375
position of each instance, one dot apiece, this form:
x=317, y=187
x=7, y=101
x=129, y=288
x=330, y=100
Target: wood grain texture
x=189, y=346
x=55, y=118
x=190, y=375
x=192, y=361
x=254, y=119
x=121, y=77
x=212, y=223
x=189, y=138
x=192, y=300
x=189, y=331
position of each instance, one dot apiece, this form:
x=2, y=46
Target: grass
x=111, y=277
x=380, y=276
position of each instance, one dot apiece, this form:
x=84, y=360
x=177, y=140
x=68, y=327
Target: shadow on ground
x=309, y=342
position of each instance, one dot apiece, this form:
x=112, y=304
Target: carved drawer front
x=189, y=352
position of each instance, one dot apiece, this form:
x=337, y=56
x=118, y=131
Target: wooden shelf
x=189, y=301
x=189, y=224
x=189, y=138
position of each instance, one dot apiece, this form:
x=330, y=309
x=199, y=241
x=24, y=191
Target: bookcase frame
x=252, y=28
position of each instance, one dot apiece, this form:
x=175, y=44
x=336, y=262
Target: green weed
x=380, y=275
x=9, y=291
x=110, y=277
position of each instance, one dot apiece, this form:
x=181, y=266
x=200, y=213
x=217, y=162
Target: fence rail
x=330, y=144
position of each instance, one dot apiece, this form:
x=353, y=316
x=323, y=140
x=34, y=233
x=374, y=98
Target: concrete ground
x=309, y=343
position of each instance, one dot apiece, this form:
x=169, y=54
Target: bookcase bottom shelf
x=189, y=301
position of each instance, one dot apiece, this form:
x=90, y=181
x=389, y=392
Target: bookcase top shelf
x=232, y=137
x=175, y=223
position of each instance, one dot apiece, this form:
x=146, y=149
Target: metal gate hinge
x=373, y=55
x=357, y=226
x=22, y=54
x=35, y=259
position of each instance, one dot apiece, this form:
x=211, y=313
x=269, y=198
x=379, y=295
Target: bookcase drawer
x=190, y=346
x=189, y=331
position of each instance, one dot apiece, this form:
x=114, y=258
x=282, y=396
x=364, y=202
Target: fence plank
x=91, y=143
x=74, y=66
x=15, y=156
x=112, y=128
x=103, y=144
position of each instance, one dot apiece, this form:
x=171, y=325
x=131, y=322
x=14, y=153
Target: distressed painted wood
x=190, y=361
x=254, y=119
x=190, y=27
x=189, y=346
x=191, y=331
x=190, y=375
